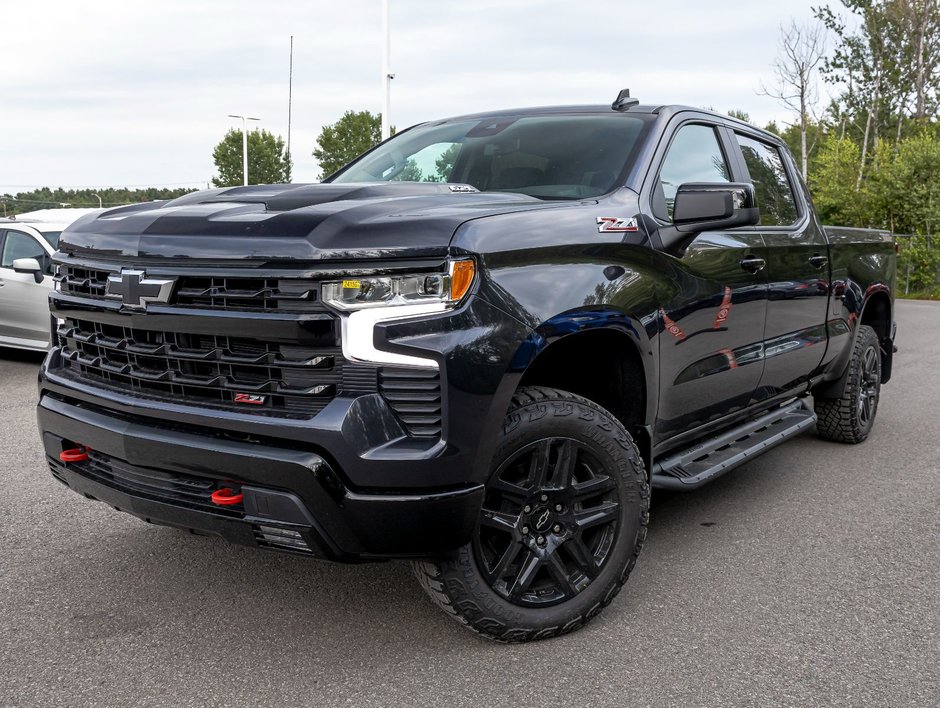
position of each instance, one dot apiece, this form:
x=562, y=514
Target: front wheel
x=563, y=519
x=849, y=418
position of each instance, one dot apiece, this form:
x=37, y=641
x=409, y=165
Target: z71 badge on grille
x=250, y=398
x=136, y=289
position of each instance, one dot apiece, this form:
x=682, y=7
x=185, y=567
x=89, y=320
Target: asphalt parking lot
x=809, y=576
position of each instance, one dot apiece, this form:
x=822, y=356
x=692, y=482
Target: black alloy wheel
x=869, y=386
x=562, y=522
x=548, y=523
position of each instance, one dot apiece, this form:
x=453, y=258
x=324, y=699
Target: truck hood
x=293, y=222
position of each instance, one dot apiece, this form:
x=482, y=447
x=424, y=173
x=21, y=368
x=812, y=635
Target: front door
x=24, y=303
x=711, y=350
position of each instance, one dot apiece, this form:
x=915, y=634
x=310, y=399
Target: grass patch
x=921, y=295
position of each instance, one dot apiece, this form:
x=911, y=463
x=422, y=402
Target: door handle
x=753, y=264
x=818, y=261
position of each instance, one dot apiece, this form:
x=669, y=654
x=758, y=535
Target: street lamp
x=387, y=76
x=99, y=200
x=244, y=145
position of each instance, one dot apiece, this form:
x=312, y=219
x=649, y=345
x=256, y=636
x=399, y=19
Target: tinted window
x=694, y=156
x=550, y=157
x=19, y=245
x=52, y=237
x=433, y=163
x=774, y=193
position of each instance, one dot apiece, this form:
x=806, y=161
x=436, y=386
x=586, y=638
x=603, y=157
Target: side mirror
x=706, y=206
x=709, y=206
x=28, y=265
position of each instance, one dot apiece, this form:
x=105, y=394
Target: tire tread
x=837, y=418
x=444, y=592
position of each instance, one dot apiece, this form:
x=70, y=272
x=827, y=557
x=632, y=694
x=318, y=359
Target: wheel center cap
x=542, y=519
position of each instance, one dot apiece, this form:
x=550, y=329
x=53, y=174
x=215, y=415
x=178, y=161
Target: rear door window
x=771, y=182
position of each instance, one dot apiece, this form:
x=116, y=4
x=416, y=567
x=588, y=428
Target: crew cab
x=477, y=347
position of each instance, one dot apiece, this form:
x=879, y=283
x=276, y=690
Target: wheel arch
x=875, y=312
x=603, y=355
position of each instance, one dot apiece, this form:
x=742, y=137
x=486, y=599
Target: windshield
x=52, y=237
x=549, y=157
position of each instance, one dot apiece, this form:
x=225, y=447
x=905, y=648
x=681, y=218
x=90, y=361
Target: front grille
x=240, y=374
x=207, y=292
x=248, y=375
x=415, y=395
x=169, y=487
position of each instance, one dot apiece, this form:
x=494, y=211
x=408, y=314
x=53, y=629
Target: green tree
x=445, y=163
x=48, y=198
x=740, y=115
x=792, y=135
x=833, y=182
x=906, y=186
x=411, y=173
x=865, y=63
x=801, y=49
x=886, y=60
x=346, y=139
x=918, y=265
x=267, y=162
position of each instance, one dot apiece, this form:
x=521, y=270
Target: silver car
x=27, y=243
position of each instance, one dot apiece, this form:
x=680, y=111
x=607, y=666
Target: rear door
x=711, y=348
x=24, y=303
x=797, y=270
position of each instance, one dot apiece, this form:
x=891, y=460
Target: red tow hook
x=227, y=497
x=74, y=454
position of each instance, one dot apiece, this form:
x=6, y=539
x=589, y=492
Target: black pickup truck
x=477, y=347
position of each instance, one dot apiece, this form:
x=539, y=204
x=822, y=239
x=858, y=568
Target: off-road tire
x=849, y=418
x=537, y=415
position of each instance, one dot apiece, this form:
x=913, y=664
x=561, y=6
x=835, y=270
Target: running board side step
x=707, y=460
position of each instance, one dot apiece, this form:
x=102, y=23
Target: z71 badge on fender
x=615, y=224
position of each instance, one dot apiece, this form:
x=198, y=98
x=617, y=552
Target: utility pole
x=387, y=76
x=245, y=120
x=290, y=89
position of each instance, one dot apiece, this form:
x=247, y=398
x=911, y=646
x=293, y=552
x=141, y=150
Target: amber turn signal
x=461, y=278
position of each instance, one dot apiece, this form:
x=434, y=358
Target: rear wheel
x=562, y=522
x=849, y=419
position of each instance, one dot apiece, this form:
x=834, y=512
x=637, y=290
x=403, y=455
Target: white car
x=27, y=243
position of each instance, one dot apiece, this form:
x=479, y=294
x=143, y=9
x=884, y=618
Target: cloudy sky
x=133, y=93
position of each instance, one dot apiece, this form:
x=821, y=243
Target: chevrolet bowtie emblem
x=135, y=289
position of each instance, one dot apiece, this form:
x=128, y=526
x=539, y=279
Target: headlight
x=397, y=290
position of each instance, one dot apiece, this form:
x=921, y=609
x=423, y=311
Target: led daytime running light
x=357, y=293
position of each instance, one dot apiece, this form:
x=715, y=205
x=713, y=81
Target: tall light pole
x=387, y=76
x=244, y=145
x=99, y=200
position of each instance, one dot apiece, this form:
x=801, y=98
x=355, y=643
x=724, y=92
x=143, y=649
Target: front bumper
x=359, y=485
x=293, y=498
